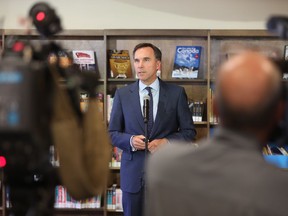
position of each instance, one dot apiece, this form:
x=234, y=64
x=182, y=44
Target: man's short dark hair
x=157, y=51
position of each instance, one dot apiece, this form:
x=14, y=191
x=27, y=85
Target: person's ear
x=158, y=65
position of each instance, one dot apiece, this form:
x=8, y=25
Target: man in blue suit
x=172, y=120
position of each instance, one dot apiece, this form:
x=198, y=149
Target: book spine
x=114, y=196
x=119, y=206
x=109, y=198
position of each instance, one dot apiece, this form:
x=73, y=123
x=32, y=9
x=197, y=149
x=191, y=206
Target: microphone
x=146, y=100
x=278, y=25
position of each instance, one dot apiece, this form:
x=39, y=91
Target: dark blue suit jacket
x=173, y=121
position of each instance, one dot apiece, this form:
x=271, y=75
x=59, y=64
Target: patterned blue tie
x=151, y=120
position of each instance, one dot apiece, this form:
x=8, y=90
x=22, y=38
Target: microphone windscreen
x=146, y=97
x=83, y=146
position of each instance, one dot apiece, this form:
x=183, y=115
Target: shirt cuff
x=133, y=148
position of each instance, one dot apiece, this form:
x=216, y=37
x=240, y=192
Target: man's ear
x=158, y=65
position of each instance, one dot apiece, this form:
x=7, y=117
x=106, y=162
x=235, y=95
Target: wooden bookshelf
x=216, y=45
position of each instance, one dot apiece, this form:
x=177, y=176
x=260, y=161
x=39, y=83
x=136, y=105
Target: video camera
x=31, y=122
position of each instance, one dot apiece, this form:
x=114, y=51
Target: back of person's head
x=248, y=92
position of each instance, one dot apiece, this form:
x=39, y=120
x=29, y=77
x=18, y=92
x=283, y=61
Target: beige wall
x=151, y=14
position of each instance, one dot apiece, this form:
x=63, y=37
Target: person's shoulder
x=174, y=151
x=171, y=162
x=177, y=149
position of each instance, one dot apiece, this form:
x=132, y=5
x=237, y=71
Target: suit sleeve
x=186, y=131
x=116, y=128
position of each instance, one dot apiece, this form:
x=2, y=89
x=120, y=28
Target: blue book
x=280, y=161
x=186, y=62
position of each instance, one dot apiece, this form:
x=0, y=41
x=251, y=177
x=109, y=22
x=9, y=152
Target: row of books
x=109, y=106
x=116, y=157
x=64, y=200
x=276, y=155
x=186, y=62
x=198, y=109
x=114, y=198
x=270, y=149
x=213, y=118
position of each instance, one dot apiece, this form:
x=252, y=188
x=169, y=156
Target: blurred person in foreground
x=227, y=174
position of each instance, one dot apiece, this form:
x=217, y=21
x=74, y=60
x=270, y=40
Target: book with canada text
x=186, y=62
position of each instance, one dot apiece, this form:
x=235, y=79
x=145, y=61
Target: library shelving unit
x=226, y=43
x=217, y=46
x=166, y=40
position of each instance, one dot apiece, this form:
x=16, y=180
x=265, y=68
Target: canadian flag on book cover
x=85, y=59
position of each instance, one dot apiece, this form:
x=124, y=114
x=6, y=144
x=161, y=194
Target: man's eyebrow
x=145, y=58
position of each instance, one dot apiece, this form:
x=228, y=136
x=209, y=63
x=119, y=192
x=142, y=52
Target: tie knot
x=148, y=88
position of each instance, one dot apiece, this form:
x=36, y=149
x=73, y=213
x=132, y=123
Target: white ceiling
x=235, y=10
x=148, y=14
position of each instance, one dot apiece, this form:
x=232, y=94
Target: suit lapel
x=135, y=102
x=163, y=99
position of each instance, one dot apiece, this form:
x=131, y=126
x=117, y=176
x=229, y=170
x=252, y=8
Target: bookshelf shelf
x=82, y=212
x=128, y=80
x=77, y=209
x=120, y=211
x=201, y=123
x=115, y=168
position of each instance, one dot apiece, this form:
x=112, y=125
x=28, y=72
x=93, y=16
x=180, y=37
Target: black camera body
x=24, y=117
x=30, y=110
x=25, y=113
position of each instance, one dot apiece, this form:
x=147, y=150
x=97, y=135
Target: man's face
x=146, y=65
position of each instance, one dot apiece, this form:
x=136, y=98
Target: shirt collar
x=154, y=85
